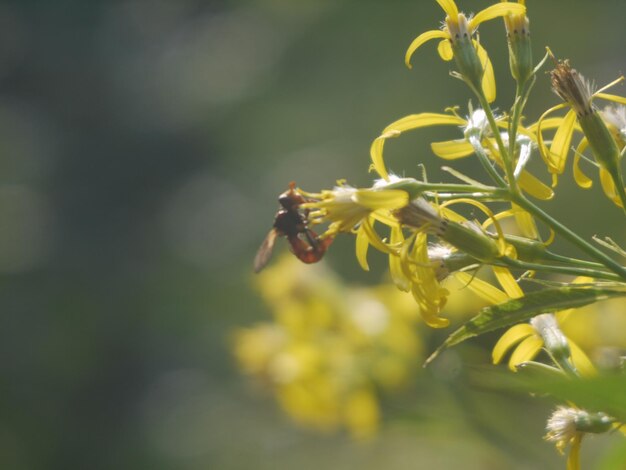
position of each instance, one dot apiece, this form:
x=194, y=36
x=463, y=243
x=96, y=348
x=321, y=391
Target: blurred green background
x=143, y=144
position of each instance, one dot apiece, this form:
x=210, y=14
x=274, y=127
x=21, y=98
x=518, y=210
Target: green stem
x=482, y=196
x=416, y=188
x=572, y=237
x=565, y=365
x=521, y=96
x=486, y=163
x=619, y=185
x=572, y=261
x=506, y=158
x=574, y=271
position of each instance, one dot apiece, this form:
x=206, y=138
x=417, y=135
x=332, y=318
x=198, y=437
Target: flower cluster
x=428, y=235
x=330, y=350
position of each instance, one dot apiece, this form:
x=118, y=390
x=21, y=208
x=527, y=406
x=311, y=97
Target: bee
x=290, y=222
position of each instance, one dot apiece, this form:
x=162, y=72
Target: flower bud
x=528, y=249
x=575, y=90
x=520, y=51
x=464, y=51
x=566, y=424
x=554, y=341
x=469, y=239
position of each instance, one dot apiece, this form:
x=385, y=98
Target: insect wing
x=265, y=251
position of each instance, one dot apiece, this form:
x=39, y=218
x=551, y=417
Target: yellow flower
x=582, y=117
x=543, y=331
x=348, y=209
x=562, y=431
x=477, y=138
x=567, y=426
x=420, y=268
x=529, y=339
x=345, y=207
x=456, y=41
x=477, y=135
x=421, y=275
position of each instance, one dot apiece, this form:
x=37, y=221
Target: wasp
x=291, y=222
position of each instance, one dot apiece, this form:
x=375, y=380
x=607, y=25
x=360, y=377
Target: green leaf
x=522, y=309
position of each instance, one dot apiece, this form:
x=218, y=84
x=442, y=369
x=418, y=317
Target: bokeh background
x=143, y=144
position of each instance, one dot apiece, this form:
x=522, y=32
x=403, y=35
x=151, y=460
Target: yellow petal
x=451, y=215
x=489, y=79
x=546, y=124
x=406, y=264
x=427, y=292
x=509, y=339
x=563, y=315
x=361, y=245
x=499, y=216
x=525, y=222
x=452, y=149
x=581, y=179
x=494, y=11
x=608, y=186
x=508, y=282
x=445, y=50
x=361, y=413
x=421, y=39
x=562, y=141
x=395, y=263
x=483, y=289
x=413, y=121
x=533, y=186
x=373, y=237
x=581, y=361
x=385, y=217
x=543, y=149
x=526, y=351
x=573, y=459
x=500, y=241
x=449, y=7
x=433, y=320
x=376, y=154
x=381, y=199
x=608, y=97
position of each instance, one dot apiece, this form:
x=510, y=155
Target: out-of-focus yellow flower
x=331, y=349
x=562, y=431
x=456, y=42
x=599, y=325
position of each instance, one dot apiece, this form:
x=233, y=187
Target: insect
x=290, y=222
